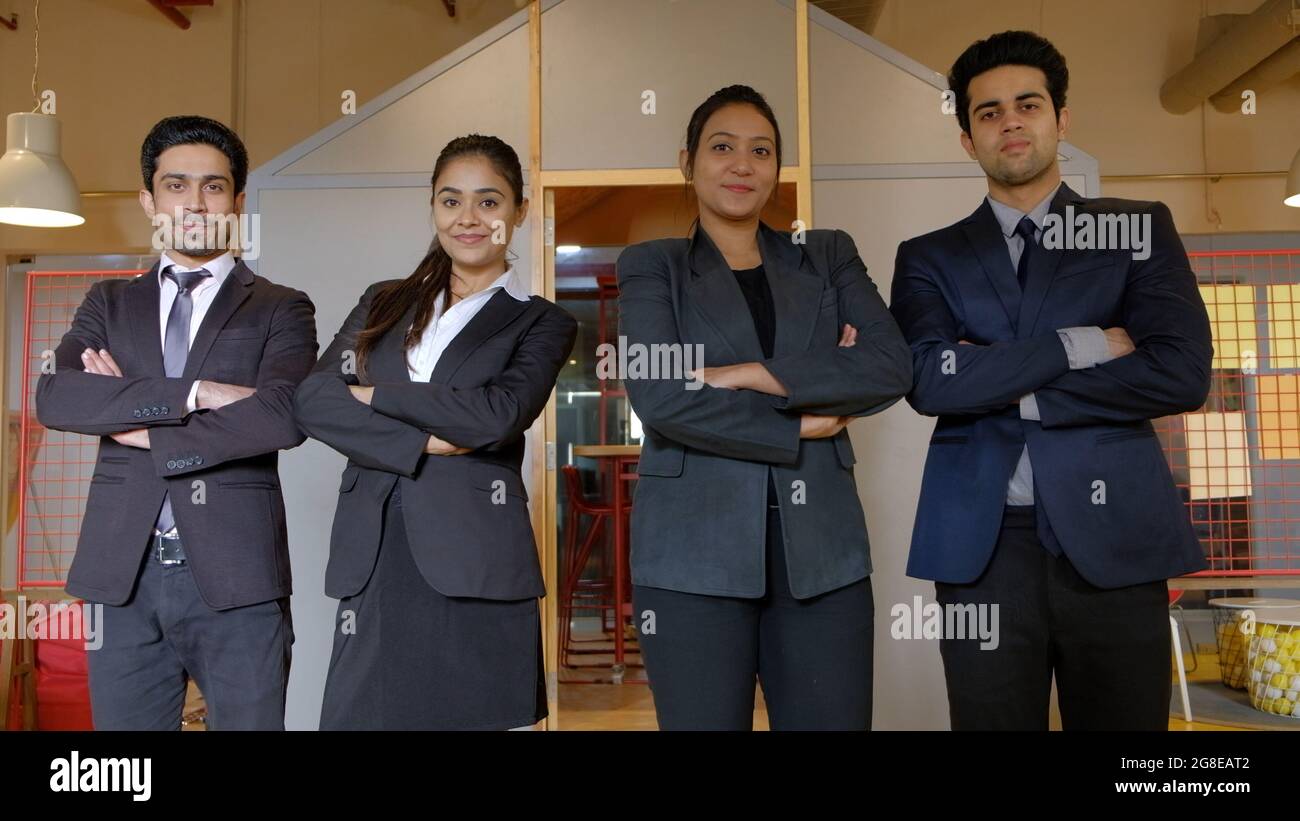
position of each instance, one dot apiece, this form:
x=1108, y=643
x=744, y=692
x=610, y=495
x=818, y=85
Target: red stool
x=577, y=593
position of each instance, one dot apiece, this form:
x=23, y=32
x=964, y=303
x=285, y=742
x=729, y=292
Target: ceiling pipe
x=1234, y=53
x=1279, y=67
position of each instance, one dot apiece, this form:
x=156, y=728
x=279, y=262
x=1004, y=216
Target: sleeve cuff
x=1085, y=346
x=1029, y=407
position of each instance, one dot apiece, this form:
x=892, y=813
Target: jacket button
x=171, y=464
x=136, y=413
x=166, y=409
x=198, y=460
x=157, y=410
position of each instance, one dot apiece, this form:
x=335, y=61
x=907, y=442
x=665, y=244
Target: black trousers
x=165, y=634
x=811, y=656
x=1109, y=649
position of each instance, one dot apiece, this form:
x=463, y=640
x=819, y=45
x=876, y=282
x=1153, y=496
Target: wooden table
x=621, y=459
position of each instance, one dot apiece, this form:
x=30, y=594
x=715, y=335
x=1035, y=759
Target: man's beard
x=212, y=231
x=1019, y=176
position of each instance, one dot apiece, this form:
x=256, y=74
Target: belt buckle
x=168, y=554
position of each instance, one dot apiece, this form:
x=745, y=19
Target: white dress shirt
x=443, y=327
x=201, y=298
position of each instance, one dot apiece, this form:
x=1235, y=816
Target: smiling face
x=1014, y=130
x=194, y=181
x=469, y=198
x=735, y=168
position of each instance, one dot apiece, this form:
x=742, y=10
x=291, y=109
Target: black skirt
x=407, y=657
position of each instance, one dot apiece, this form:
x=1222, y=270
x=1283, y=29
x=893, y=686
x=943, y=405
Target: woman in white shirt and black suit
x=428, y=389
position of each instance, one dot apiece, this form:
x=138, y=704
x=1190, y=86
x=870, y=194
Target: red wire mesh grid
x=1236, y=460
x=54, y=467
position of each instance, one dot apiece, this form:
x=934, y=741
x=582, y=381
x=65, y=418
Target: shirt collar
x=512, y=285
x=220, y=267
x=1009, y=218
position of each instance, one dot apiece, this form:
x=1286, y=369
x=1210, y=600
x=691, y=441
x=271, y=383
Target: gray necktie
x=176, y=349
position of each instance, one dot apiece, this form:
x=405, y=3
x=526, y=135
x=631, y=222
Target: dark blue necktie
x=1025, y=228
x=176, y=349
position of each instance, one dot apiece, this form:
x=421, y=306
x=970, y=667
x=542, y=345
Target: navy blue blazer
x=1100, y=476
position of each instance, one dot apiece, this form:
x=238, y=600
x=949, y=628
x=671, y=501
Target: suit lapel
x=232, y=294
x=717, y=296
x=142, y=308
x=985, y=236
x=796, y=295
x=501, y=309
x=1043, y=265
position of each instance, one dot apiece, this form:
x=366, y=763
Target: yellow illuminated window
x=1279, y=416
x=1282, y=325
x=1232, y=322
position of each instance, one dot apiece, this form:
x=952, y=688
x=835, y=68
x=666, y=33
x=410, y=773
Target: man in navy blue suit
x=1047, y=330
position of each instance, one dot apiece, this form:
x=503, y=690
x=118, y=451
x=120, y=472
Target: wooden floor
x=589, y=702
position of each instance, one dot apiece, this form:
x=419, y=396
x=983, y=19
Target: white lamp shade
x=36, y=188
x=1293, y=183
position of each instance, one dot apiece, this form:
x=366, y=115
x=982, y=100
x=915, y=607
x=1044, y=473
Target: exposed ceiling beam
x=170, y=11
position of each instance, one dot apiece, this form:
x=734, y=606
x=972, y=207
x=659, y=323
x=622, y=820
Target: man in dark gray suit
x=188, y=374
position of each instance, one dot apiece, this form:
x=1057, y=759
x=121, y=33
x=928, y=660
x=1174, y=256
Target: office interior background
x=344, y=106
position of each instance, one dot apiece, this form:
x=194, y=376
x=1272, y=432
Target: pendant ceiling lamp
x=36, y=187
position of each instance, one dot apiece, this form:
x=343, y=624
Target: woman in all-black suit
x=749, y=544
x=428, y=389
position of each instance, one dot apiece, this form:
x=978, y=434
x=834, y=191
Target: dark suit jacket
x=957, y=283
x=256, y=334
x=699, y=515
x=466, y=516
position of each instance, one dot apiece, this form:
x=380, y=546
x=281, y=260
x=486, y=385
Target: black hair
x=190, y=129
x=1010, y=48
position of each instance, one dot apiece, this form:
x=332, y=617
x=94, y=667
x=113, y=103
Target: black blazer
x=466, y=516
x=699, y=517
x=220, y=466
